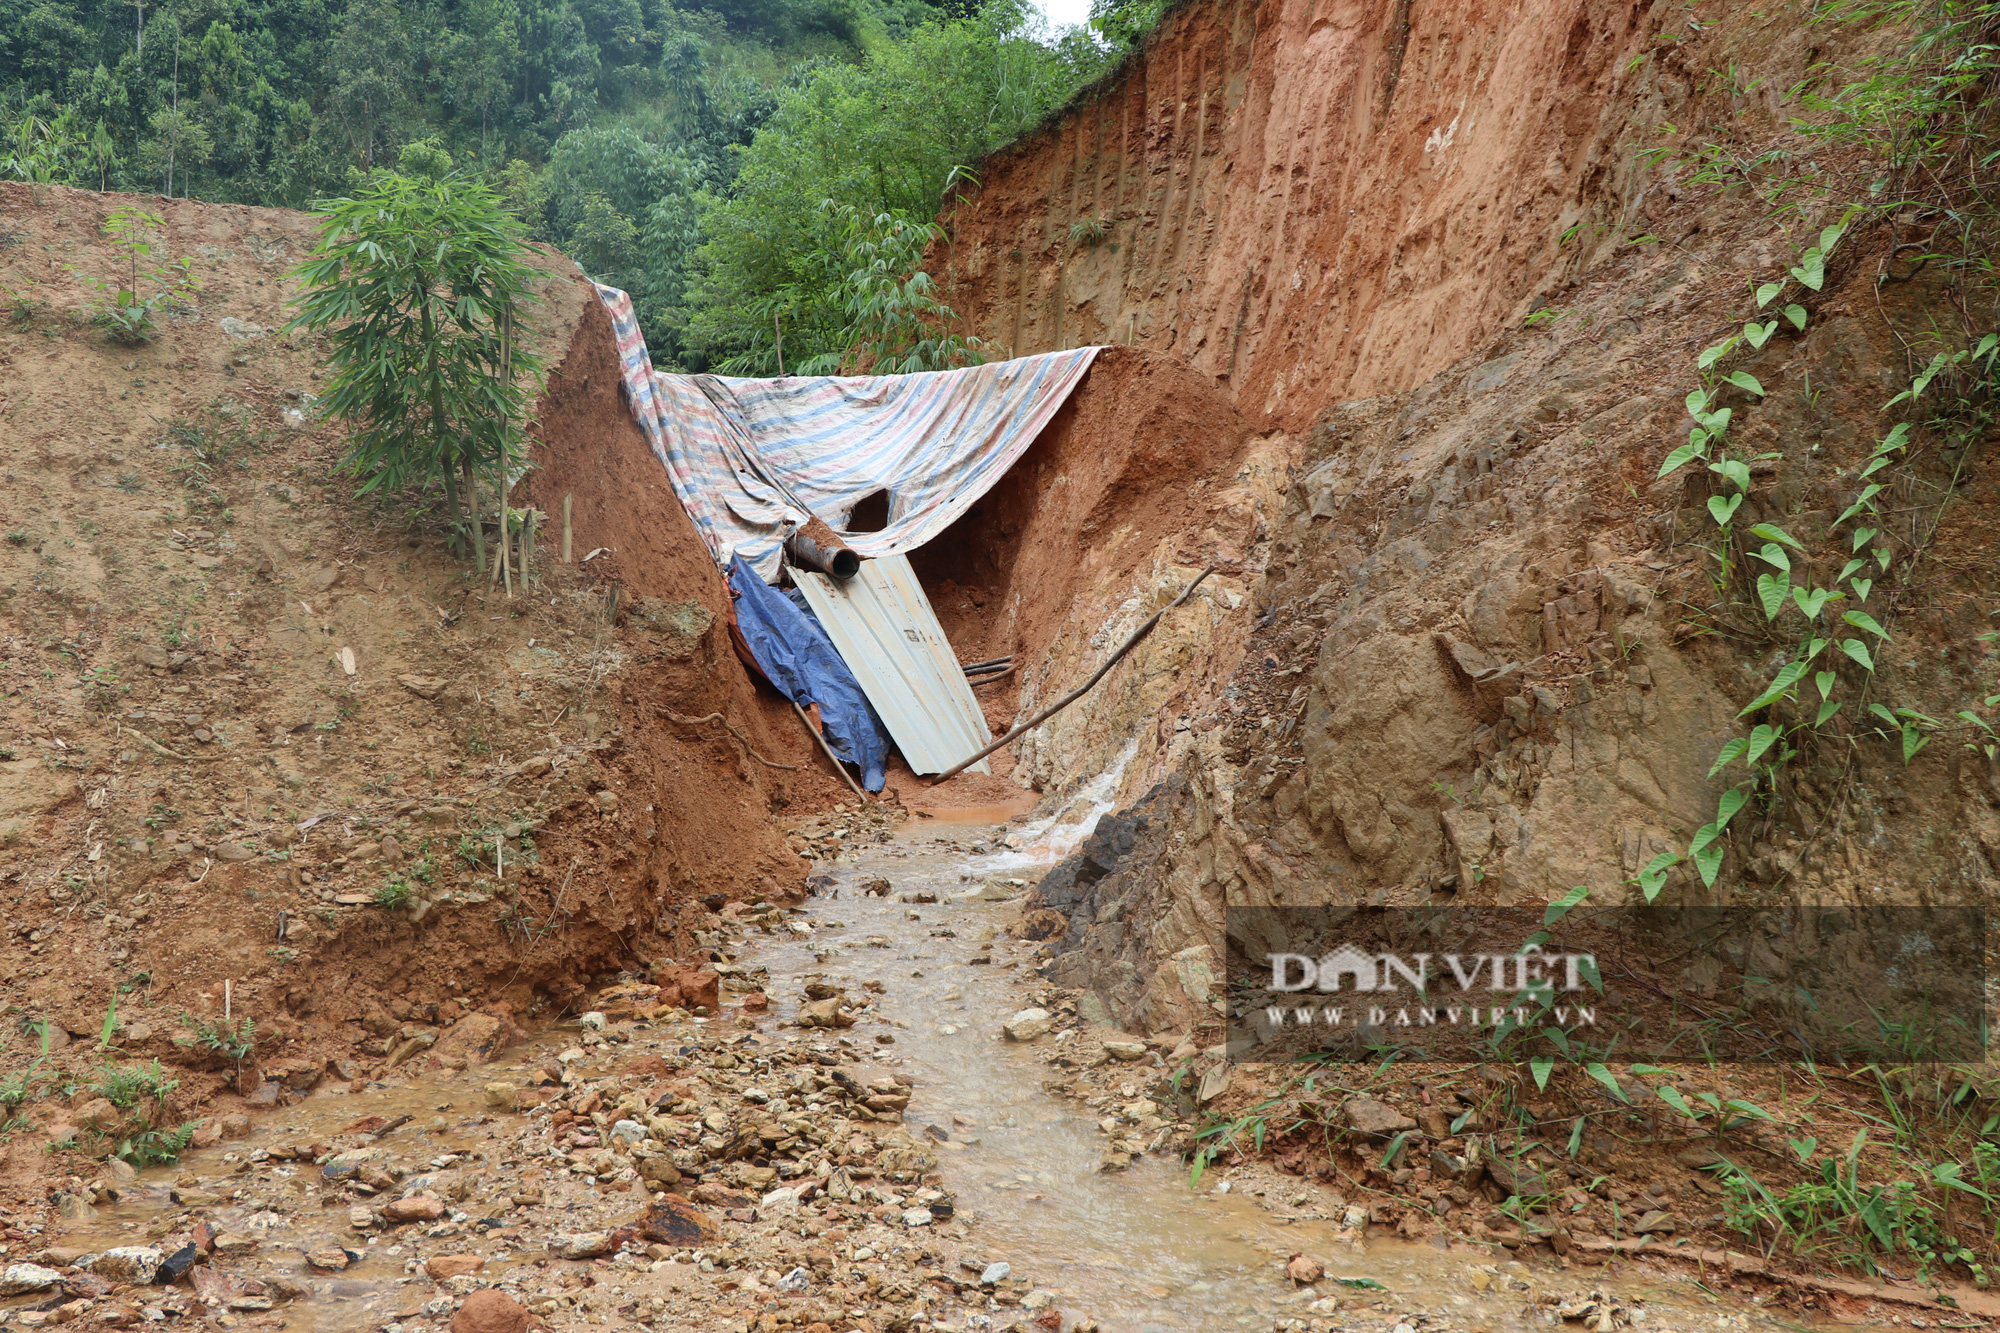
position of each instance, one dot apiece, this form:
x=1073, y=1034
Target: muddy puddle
x=1135, y=1250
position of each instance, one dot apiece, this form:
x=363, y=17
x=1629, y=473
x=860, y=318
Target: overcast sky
x=1063, y=12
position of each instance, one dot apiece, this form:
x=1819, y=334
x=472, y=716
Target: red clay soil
x=1315, y=200
x=1125, y=465
x=591, y=449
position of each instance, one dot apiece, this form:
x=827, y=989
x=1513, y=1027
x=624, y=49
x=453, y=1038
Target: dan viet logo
x=1533, y=977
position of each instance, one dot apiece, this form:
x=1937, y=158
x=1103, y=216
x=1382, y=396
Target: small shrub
x=233, y=1040
x=126, y=1086
x=156, y=1147
x=393, y=895
x=126, y=316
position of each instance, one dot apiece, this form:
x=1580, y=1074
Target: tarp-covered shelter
x=753, y=460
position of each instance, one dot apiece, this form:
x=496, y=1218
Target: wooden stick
x=838, y=767
x=506, y=474
x=1080, y=690
x=565, y=545
x=991, y=676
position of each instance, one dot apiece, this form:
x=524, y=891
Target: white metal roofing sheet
x=886, y=632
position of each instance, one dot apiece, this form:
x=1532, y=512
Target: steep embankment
x=1489, y=654
x=275, y=751
x=1316, y=199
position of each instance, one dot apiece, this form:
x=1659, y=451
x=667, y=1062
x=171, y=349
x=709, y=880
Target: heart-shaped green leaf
x=1759, y=334
x=1747, y=382
x=1730, y=802
x=1734, y=470
x=1873, y=465
x=1913, y=741
x=1826, y=710
x=1898, y=436
x=1706, y=853
x=1710, y=355
x=1771, y=591
x=1787, y=677
x=1825, y=680
x=1810, y=603
x=1861, y=536
x=1858, y=650
x=1771, y=532
x=1672, y=1097
x=1868, y=493
x=1774, y=554
x=1796, y=314
x=1727, y=755
x=1767, y=291
x=1882, y=711
x=1811, y=269
x=1862, y=588
x=1697, y=403
x=1813, y=649
x=1848, y=568
x=1828, y=235
x=1882, y=556
x=1680, y=457
x=1724, y=509
x=1654, y=877
x=1862, y=620
x=1762, y=739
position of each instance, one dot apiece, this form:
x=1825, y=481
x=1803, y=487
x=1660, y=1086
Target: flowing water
x=1136, y=1249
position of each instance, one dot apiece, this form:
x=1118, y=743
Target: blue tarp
x=796, y=656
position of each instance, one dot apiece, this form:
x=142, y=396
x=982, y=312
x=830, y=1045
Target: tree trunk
x=438, y=436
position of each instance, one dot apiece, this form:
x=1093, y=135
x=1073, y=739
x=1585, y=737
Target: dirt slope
x=202, y=805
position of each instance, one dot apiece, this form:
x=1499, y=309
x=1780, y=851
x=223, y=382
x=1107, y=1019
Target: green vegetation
x=231, y=1040
x=125, y=309
x=710, y=161
x=125, y=1086
x=417, y=284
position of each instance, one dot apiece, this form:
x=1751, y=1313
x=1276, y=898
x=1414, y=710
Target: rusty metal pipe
x=815, y=547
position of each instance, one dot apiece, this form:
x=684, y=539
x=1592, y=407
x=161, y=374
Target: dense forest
x=745, y=168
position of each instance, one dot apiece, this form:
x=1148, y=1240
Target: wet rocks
x=444, y=1267
x=1029, y=1024
x=1304, y=1269
x=136, y=1264
x=672, y=1220
x=824, y=1014
x=490, y=1311
x=416, y=1208
x=24, y=1279
x=580, y=1244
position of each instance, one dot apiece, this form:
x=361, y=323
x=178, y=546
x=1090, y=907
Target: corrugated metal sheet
x=885, y=630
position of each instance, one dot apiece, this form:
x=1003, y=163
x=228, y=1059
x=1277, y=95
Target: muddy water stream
x=1136, y=1250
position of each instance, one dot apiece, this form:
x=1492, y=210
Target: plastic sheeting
x=795, y=655
x=750, y=458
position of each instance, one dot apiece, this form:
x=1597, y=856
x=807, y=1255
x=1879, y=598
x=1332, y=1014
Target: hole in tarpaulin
x=870, y=514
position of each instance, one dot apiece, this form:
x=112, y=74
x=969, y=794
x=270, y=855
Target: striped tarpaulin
x=749, y=457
